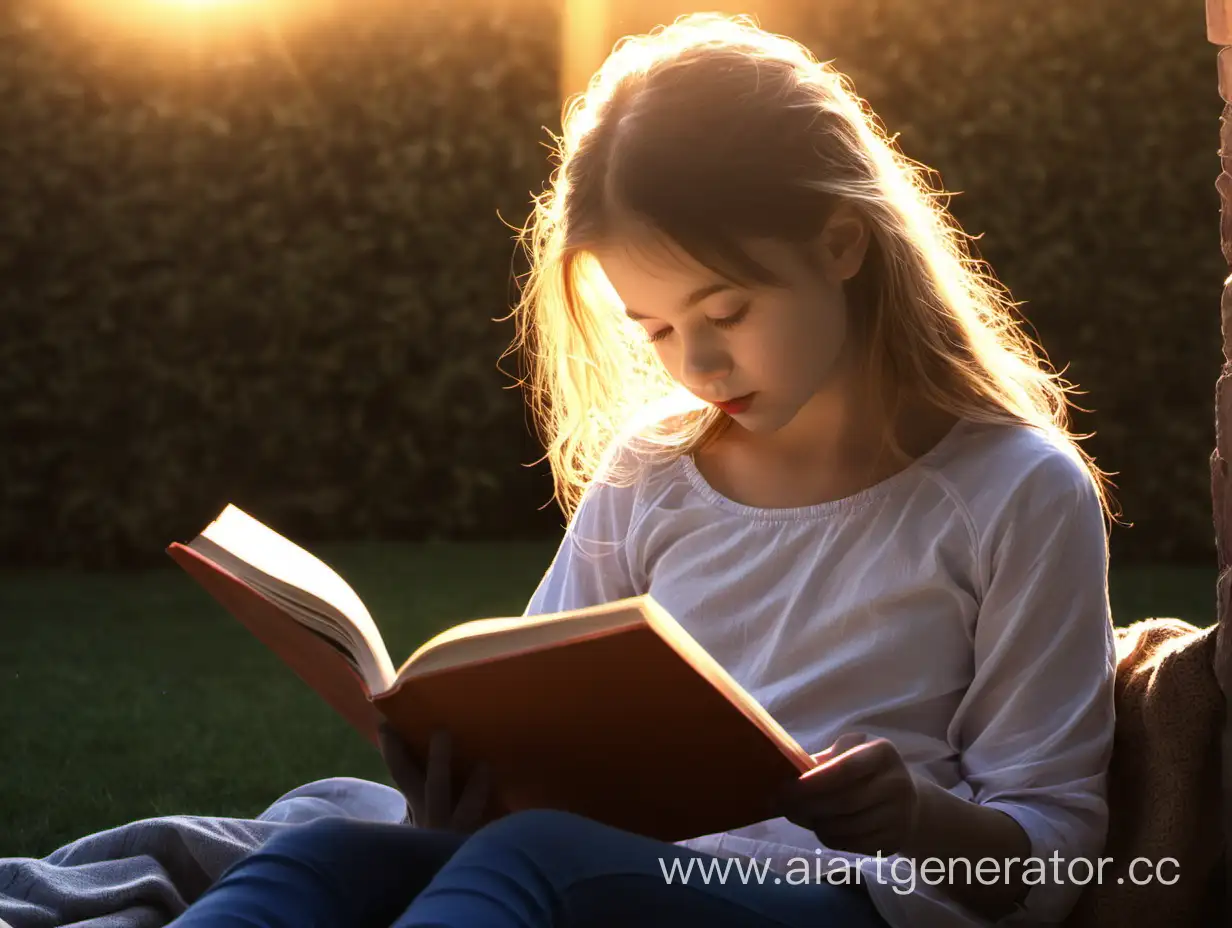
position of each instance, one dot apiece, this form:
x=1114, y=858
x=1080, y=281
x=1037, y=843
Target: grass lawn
x=124, y=696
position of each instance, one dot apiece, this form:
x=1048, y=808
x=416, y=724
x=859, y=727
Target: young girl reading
x=780, y=396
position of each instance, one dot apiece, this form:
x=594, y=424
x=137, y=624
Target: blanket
x=1164, y=794
x=144, y=874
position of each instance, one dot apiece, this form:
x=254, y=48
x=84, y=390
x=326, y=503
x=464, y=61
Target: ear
x=844, y=242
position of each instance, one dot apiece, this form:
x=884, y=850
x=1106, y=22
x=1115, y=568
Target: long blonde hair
x=710, y=131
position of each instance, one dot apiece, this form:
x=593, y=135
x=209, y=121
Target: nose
x=703, y=361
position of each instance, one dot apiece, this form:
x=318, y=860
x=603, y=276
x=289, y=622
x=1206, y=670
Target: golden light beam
x=586, y=39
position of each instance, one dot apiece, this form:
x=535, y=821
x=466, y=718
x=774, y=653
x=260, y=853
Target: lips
x=737, y=405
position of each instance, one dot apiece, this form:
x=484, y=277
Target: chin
x=763, y=421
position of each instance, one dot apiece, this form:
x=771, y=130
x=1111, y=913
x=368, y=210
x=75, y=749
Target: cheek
x=805, y=347
x=825, y=335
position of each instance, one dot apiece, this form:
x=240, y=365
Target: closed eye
x=725, y=323
x=734, y=319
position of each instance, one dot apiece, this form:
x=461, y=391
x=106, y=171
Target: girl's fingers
x=469, y=812
x=406, y=772
x=842, y=744
x=860, y=826
x=829, y=798
x=857, y=819
x=858, y=764
x=437, y=800
x=429, y=793
x=842, y=807
x=882, y=843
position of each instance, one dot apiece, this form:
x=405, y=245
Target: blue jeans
x=528, y=869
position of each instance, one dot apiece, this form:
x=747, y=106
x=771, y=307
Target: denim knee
x=534, y=834
x=531, y=824
x=319, y=835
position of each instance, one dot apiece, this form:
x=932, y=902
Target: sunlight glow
x=586, y=38
x=202, y=4
x=167, y=20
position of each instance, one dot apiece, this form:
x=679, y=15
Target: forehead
x=654, y=263
x=647, y=263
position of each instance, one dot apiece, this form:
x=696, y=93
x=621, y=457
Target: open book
x=611, y=711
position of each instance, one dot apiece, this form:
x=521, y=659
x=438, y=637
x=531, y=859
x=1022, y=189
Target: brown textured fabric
x=1164, y=783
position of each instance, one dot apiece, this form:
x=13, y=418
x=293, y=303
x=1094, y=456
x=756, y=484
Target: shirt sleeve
x=593, y=564
x=1036, y=724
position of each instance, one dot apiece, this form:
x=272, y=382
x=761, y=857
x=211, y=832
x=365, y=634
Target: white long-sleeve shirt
x=959, y=609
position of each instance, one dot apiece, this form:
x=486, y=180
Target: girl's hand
x=427, y=791
x=860, y=797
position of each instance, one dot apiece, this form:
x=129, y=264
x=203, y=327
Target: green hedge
x=1082, y=141
x=268, y=269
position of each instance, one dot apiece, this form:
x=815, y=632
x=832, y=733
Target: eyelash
x=726, y=323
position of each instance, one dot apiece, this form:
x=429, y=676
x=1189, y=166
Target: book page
x=296, y=573
x=484, y=639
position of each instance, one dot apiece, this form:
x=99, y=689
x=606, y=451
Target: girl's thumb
x=843, y=743
x=848, y=740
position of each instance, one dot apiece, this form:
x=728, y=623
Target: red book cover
x=611, y=712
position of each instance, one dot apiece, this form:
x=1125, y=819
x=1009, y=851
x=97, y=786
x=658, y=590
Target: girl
x=781, y=397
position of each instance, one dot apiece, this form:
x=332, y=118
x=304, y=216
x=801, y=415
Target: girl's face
x=772, y=348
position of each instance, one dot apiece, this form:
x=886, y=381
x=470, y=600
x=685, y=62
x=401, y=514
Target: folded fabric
x=144, y=874
x=1164, y=790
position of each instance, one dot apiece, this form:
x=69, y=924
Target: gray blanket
x=144, y=874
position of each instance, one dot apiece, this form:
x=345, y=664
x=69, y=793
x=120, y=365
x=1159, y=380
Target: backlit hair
x=711, y=131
